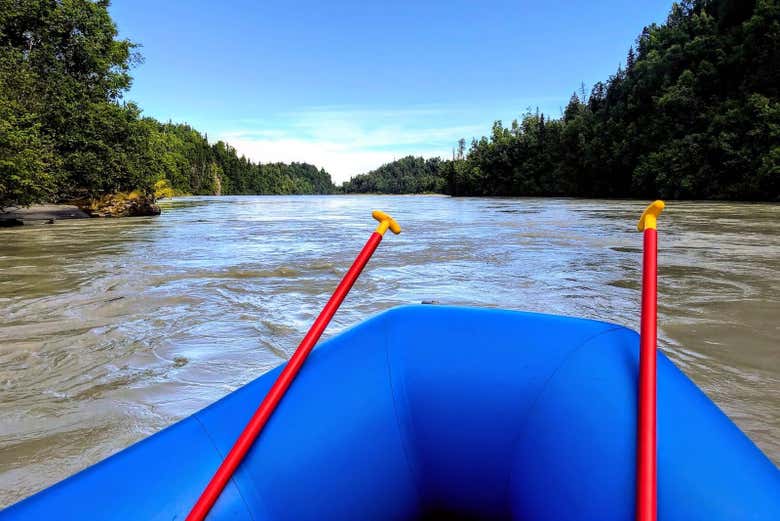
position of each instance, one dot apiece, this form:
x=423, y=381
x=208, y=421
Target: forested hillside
x=404, y=176
x=694, y=113
x=66, y=131
x=181, y=155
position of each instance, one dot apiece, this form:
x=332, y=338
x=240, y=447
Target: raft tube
x=438, y=412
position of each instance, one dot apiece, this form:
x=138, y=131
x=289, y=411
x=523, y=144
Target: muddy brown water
x=111, y=330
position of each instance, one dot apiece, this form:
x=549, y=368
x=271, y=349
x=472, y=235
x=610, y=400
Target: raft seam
x=538, y=397
x=403, y=434
x=232, y=478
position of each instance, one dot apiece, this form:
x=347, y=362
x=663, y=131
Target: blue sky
x=351, y=85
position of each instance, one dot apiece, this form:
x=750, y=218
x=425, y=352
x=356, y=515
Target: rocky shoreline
x=130, y=204
x=17, y=216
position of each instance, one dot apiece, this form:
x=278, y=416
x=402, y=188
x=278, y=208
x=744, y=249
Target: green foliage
x=163, y=189
x=241, y=176
x=27, y=159
x=63, y=73
x=694, y=114
x=66, y=132
x=406, y=175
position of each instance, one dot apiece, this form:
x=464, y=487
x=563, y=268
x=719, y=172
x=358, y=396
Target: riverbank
x=131, y=204
x=16, y=216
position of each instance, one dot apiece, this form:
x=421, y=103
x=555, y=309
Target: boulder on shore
x=121, y=204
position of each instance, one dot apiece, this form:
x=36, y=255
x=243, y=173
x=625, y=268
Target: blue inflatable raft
x=450, y=413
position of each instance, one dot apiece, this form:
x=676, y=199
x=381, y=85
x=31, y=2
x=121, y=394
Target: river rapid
x=111, y=330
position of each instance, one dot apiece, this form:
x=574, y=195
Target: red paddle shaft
x=647, y=489
x=646, y=456
x=288, y=374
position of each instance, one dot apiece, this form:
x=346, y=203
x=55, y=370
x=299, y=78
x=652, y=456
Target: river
x=114, y=329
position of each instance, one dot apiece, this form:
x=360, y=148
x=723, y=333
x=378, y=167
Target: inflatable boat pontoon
x=441, y=412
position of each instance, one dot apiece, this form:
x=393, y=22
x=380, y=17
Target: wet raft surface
x=114, y=329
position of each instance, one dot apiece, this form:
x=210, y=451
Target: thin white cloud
x=339, y=159
x=348, y=142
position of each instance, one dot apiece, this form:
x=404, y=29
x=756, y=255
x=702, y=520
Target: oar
x=646, y=470
x=275, y=394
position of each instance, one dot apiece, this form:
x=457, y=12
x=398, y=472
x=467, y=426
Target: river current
x=111, y=330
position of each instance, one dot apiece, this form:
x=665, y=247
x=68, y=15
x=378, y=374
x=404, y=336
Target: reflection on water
x=114, y=329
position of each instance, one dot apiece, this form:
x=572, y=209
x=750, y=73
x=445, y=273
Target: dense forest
x=694, y=113
x=67, y=132
x=183, y=157
x=405, y=176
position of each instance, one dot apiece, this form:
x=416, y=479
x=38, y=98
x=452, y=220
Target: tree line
x=67, y=132
x=693, y=114
x=184, y=158
x=408, y=175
